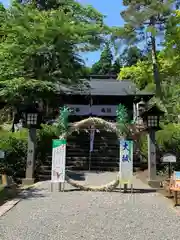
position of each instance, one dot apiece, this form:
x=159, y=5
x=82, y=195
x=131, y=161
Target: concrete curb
x=8, y=206
x=11, y=203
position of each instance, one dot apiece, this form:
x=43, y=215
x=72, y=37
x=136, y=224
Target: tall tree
x=41, y=49
x=144, y=20
x=172, y=36
x=44, y=4
x=2, y=18
x=131, y=55
x=140, y=74
x=104, y=65
x=116, y=66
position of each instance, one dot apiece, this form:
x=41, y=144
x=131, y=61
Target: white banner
x=92, y=134
x=104, y=110
x=126, y=162
x=79, y=110
x=58, y=160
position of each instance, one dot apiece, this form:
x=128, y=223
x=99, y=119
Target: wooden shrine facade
x=101, y=99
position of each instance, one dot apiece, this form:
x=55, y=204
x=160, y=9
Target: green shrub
x=143, y=146
x=15, y=146
x=44, y=146
x=167, y=140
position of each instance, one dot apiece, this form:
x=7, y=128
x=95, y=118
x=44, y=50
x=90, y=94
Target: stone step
x=86, y=145
x=85, y=158
x=42, y=177
x=45, y=168
x=105, y=155
x=100, y=150
x=87, y=139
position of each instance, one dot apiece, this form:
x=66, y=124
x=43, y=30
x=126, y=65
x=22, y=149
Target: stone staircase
x=104, y=157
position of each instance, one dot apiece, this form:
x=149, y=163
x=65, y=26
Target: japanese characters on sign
x=103, y=110
x=58, y=160
x=95, y=110
x=126, y=161
x=168, y=157
x=79, y=110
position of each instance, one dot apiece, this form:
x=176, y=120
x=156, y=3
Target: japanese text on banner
x=58, y=161
x=126, y=162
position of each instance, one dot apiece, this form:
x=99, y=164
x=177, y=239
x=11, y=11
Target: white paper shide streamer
x=92, y=134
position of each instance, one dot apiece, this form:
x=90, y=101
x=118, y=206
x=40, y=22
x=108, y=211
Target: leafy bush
x=169, y=138
x=15, y=146
x=44, y=145
x=167, y=141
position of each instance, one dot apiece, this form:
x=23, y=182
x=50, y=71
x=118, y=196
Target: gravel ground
x=74, y=215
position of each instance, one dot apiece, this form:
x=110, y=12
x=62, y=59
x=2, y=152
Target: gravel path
x=79, y=215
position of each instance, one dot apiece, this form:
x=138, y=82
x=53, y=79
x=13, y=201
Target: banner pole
x=90, y=144
x=91, y=147
x=131, y=188
x=125, y=188
x=60, y=187
x=90, y=161
x=51, y=186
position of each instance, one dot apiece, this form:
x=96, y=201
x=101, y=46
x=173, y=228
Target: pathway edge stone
x=7, y=206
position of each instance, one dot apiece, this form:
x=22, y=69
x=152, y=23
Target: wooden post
x=151, y=155
x=63, y=186
x=51, y=187
x=60, y=187
x=131, y=188
x=176, y=197
x=4, y=180
x=169, y=169
x=120, y=187
x=125, y=188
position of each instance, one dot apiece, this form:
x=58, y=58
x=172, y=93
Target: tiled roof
x=104, y=87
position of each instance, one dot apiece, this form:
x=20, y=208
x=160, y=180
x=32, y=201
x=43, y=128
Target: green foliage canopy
x=41, y=48
x=103, y=66
x=144, y=21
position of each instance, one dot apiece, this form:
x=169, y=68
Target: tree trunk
x=14, y=115
x=155, y=63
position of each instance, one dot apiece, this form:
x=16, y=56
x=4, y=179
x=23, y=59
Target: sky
x=110, y=8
